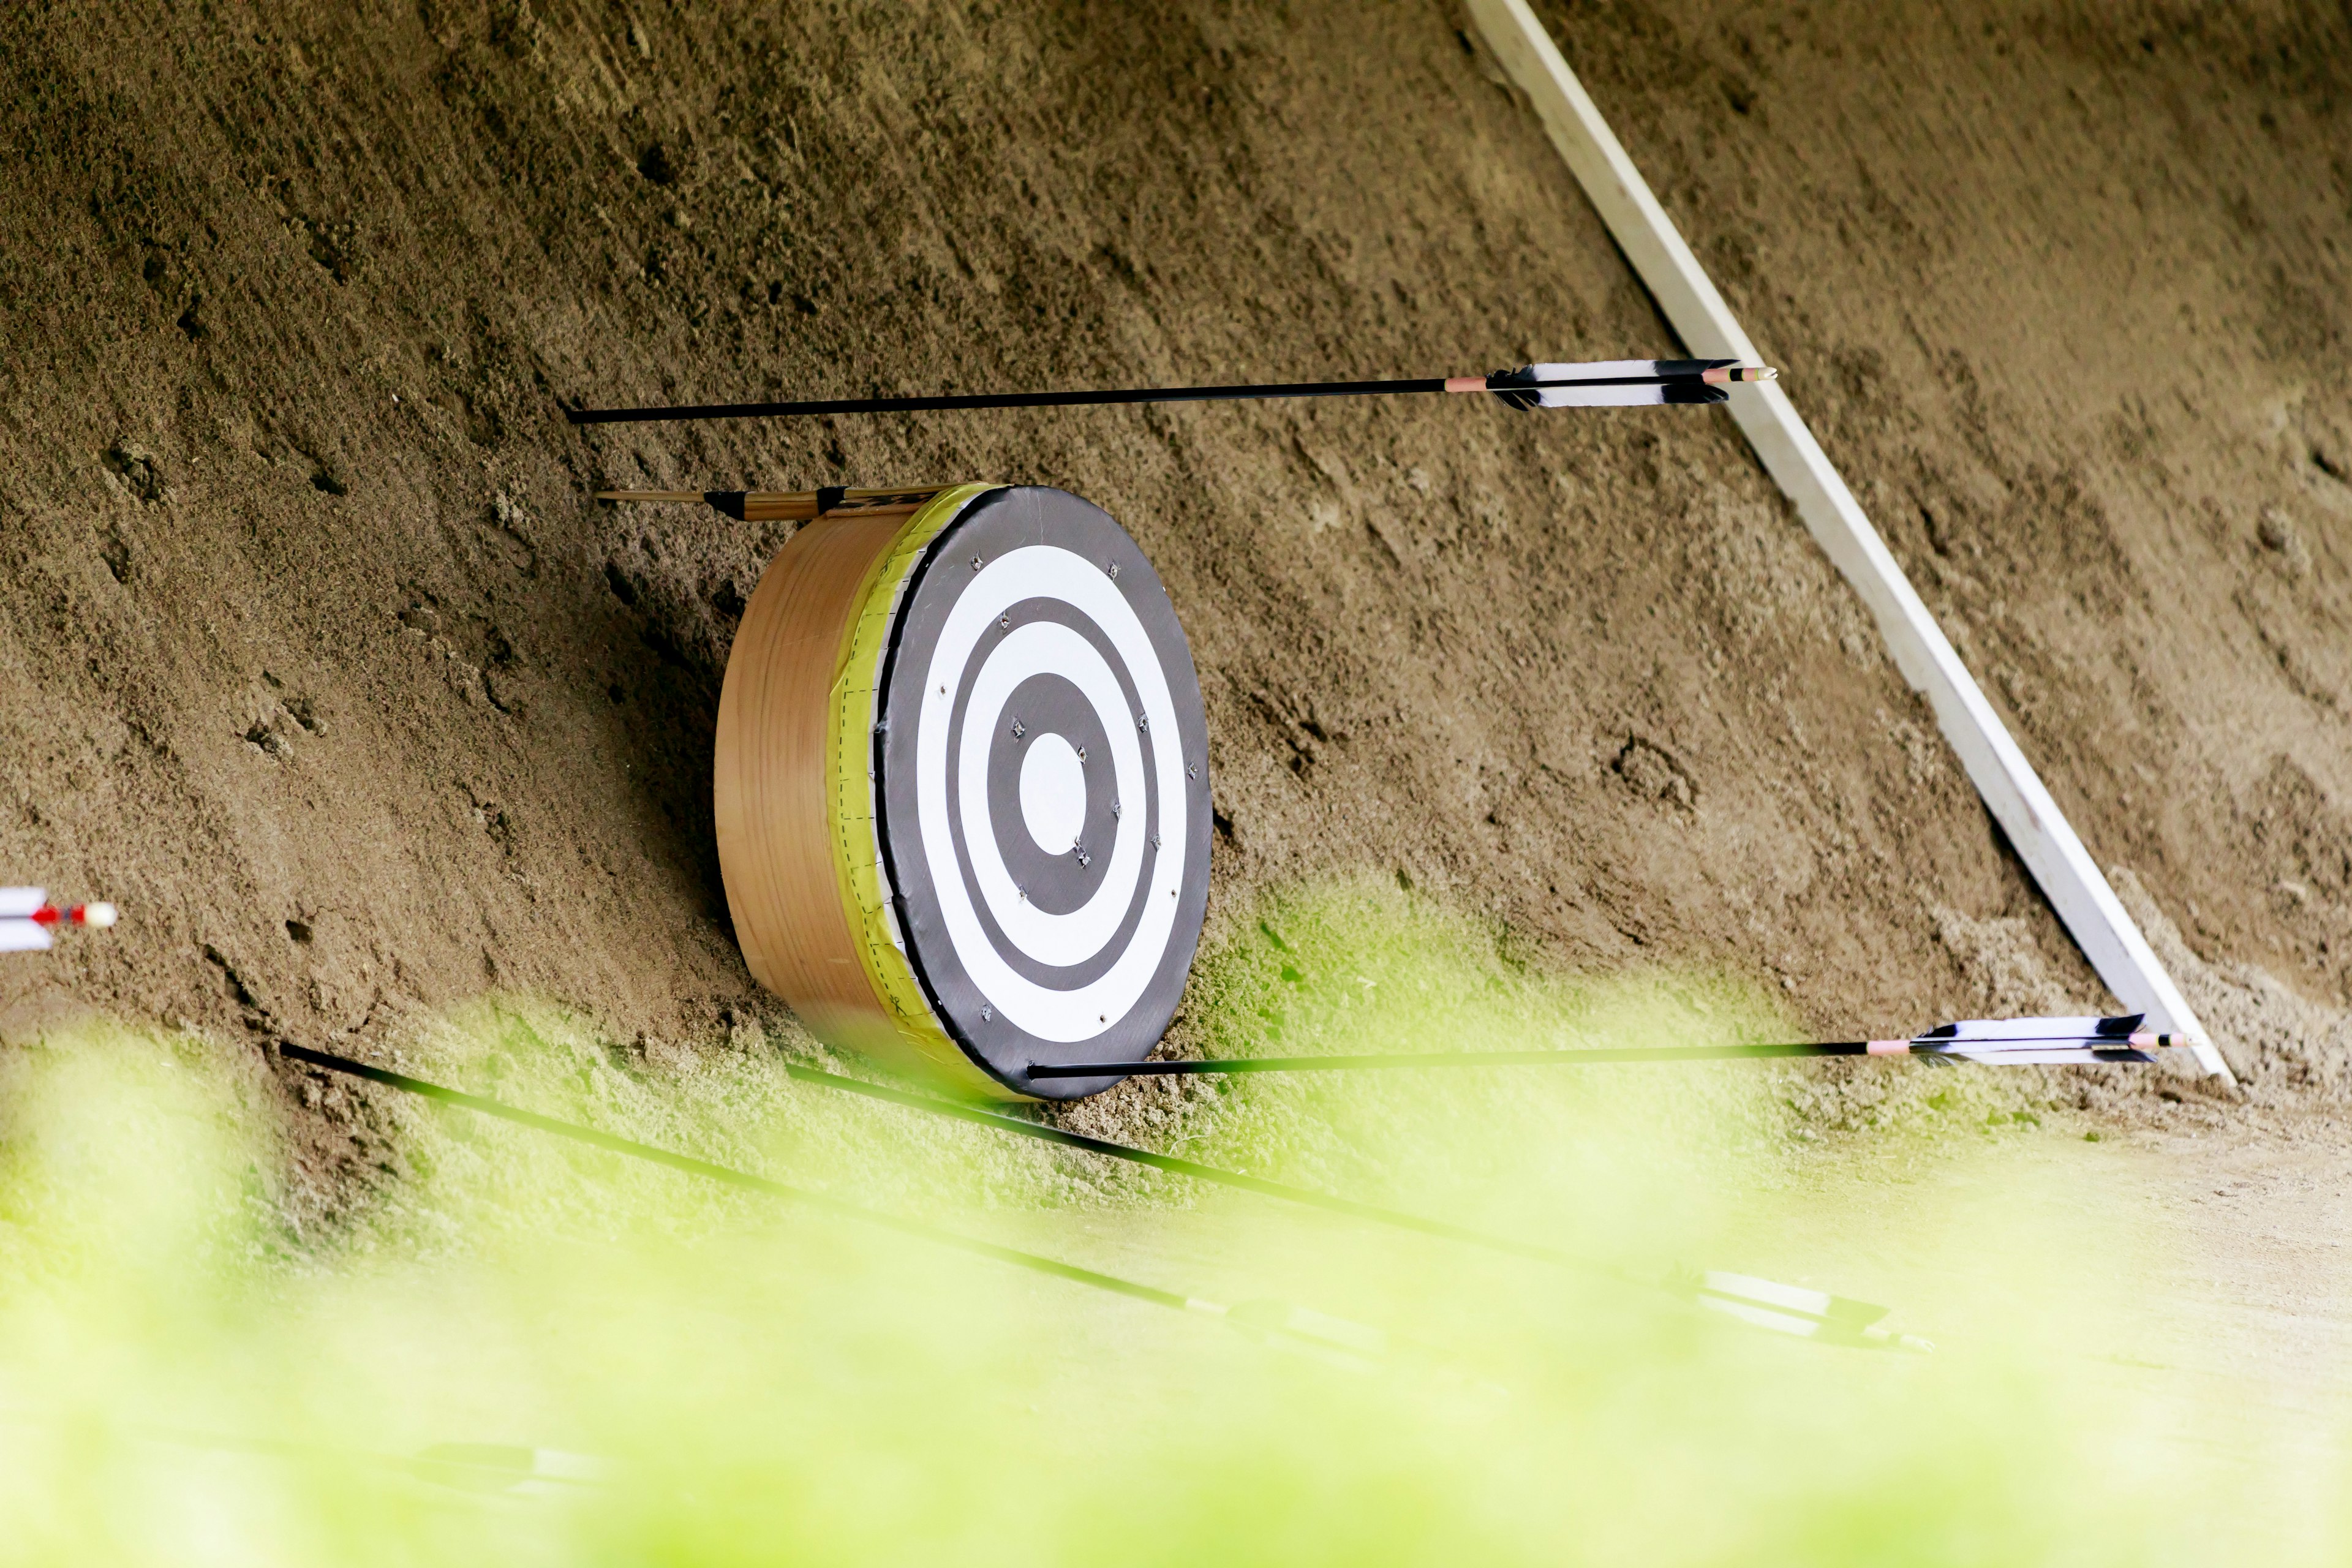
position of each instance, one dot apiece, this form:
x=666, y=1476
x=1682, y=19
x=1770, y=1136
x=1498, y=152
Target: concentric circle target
x=1022, y=849
x=1044, y=786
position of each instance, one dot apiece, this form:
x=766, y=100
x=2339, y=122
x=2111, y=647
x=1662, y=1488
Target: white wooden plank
x=2039, y=831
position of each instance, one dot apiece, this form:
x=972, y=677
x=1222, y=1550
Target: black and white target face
x=1042, y=775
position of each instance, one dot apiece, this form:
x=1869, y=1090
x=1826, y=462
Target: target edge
x=778, y=766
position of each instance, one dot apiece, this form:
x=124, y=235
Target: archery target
x=1044, y=786
x=1023, y=847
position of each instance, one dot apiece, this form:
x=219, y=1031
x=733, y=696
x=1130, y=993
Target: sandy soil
x=324, y=665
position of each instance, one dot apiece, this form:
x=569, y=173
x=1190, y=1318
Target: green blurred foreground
x=187, y=1376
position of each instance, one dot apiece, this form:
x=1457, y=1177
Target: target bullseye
x=962, y=787
x=1052, y=794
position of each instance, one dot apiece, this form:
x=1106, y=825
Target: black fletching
x=1501, y=385
x=1523, y=388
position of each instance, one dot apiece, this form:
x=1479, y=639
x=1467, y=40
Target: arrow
x=2002, y=1042
x=26, y=916
x=505, y=1469
x=1763, y=1304
x=1793, y=1309
x=789, y=506
x=1599, y=384
x=1287, y=1326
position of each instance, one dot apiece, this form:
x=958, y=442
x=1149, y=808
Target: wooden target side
x=793, y=844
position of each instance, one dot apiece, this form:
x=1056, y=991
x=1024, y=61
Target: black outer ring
x=988, y=527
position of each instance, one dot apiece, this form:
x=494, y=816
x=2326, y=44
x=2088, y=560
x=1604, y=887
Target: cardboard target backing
x=962, y=790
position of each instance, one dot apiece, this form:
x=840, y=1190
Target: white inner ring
x=1045, y=572
x=1053, y=794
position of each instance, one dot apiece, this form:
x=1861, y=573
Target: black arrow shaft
x=1173, y=1164
x=734, y=1178
x=1451, y=1059
x=1308, y=1196
x=954, y=401
x=2120, y=1048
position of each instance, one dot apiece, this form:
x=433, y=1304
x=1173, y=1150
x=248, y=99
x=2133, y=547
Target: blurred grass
x=765, y=1385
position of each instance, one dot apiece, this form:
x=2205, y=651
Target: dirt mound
x=328, y=670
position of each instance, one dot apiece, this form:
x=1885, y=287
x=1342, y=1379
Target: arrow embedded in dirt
x=27, y=918
x=1763, y=1304
x=1278, y=1322
x=1597, y=384
x=1992, y=1042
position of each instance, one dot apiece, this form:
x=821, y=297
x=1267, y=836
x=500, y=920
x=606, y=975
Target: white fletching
x=1796, y=1297
x=1970, y=1031
x=22, y=936
x=1598, y=370
x=1597, y=397
x=1795, y=1310
x=25, y=918
x=516, y=1471
x=1320, y=1328
x=1783, y=1308
x=2038, y=1056
x=2033, y=1042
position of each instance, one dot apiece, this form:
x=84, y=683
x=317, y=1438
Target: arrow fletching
x=26, y=917
x=510, y=1469
x=2038, y=1042
x=1795, y=1310
x=19, y=932
x=1621, y=382
x=1339, y=1339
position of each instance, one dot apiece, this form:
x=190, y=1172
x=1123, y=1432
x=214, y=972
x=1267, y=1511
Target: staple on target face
x=960, y=791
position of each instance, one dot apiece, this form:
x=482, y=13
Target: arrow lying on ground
x=489, y=1468
x=1991, y=1042
x=1278, y=1322
x=1765, y=1303
x=1597, y=384
x=26, y=917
